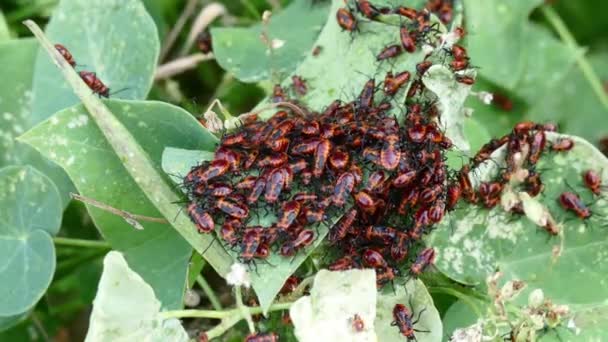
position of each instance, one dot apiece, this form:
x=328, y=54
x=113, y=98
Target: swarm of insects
x=378, y=183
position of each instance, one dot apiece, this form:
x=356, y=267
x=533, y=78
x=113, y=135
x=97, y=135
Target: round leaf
x=242, y=52
x=116, y=39
x=30, y=214
x=417, y=299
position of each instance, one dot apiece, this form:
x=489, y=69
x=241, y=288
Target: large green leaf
x=512, y=52
x=241, y=51
x=269, y=277
x=30, y=213
x=574, y=104
x=72, y=140
x=116, y=39
x=415, y=297
x=570, y=268
x=16, y=59
x=126, y=308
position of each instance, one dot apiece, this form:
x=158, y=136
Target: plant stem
x=229, y=317
x=215, y=302
x=223, y=313
x=131, y=219
x=567, y=37
x=221, y=328
x=244, y=309
x=60, y=241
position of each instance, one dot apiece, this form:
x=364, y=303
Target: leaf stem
x=215, y=302
x=244, y=309
x=567, y=37
x=215, y=314
x=61, y=241
x=132, y=219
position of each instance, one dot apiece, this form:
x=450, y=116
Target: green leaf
x=452, y=94
x=474, y=242
x=415, y=297
x=335, y=298
x=126, y=308
x=70, y=139
x=574, y=105
x=269, y=277
x=8, y=322
x=16, y=57
x=30, y=214
x=118, y=41
x=512, y=52
x=242, y=52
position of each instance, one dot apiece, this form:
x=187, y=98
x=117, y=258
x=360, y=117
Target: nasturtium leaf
x=511, y=51
x=269, y=275
x=30, y=213
x=472, y=242
x=292, y=32
x=16, y=58
x=573, y=103
x=347, y=61
x=71, y=139
x=126, y=308
x=116, y=39
x=335, y=298
x=417, y=299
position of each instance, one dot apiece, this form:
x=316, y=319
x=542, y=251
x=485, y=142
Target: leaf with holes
x=72, y=140
x=291, y=32
x=473, y=242
x=30, y=213
x=102, y=35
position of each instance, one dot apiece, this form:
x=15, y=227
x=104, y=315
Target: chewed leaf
x=291, y=32
x=30, y=213
x=417, y=299
x=452, y=95
x=126, y=309
x=473, y=242
x=336, y=297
